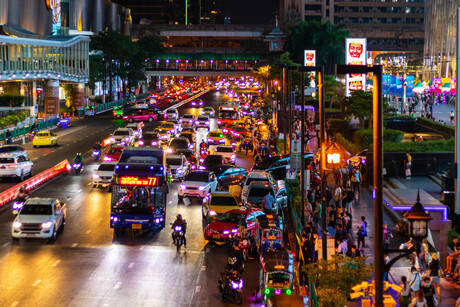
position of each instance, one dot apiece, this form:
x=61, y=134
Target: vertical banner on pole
x=309, y=59
x=356, y=54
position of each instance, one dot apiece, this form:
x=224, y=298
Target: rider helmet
x=232, y=260
x=179, y=217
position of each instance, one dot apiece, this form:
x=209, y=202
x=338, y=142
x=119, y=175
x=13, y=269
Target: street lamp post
x=377, y=193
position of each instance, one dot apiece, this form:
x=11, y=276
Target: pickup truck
x=39, y=218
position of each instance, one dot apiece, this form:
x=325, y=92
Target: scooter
x=97, y=154
x=231, y=284
x=178, y=235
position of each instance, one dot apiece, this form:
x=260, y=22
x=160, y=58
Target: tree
x=359, y=105
x=96, y=70
x=335, y=277
x=327, y=39
x=334, y=90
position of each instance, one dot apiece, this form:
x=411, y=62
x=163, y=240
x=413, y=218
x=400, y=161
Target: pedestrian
x=414, y=281
x=356, y=179
x=354, y=252
x=429, y=291
x=308, y=211
x=8, y=137
x=422, y=257
x=348, y=219
x=337, y=175
x=342, y=247
x=362, y=232
x=338, y=196
x=317, y=213
x=332, y=217
x=408, y=165
x=434, y=270
x=348, y=198
x=452, y=117
x=386, y=235
x=404, y=296
x=269, y=203
x=386, y=259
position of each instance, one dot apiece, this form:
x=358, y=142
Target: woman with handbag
x=404, y=295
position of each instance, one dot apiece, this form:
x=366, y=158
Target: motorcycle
x=231, y=284
x=97, y=154
x=234, y=146
x=78, y=167
x=178, y=235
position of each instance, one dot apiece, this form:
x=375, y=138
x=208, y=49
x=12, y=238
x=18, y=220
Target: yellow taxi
x=216, y=138
x=163, y=134
x=45, y=138
x=216, y=204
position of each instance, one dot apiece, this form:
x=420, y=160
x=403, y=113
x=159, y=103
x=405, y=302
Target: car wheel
x=150, y=119
x=180, y=199
x=54, y=235
x=35, y=146
x=63, y=225
x=131, y=120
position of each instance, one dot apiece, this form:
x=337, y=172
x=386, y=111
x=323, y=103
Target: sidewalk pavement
x=441, y=112
x=364, y=206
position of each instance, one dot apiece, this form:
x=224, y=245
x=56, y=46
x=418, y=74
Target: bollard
x=23, y=139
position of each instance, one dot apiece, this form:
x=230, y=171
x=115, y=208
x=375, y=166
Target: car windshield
x=187, y=116
x=197, y=176
x=249, y=180
x=224, y=149
x=150, y=136
x=106, y=167
x=121, y=132
x=219, y=170
x=171, y=112
x=179, y=144
x=233, y=218
x=223, y=201
x=202, y=118
x=168, y=125
x=137, y=198
x=43, y=134
x=216, y=135
x=260, y=192
x=213, y=159
x=174, y=161
x=9, y=149
x=6, y=160
x=37, y=210
x=277, y=278
x=240, y=129
x=114, y=151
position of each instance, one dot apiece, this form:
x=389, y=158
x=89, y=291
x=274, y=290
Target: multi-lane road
x=86, y=266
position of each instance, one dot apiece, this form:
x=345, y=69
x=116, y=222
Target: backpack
x=365, y=229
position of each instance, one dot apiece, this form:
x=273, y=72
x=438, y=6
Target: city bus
x=139, y=190
x=228, y=114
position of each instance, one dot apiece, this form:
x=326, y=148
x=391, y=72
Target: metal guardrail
x=34, y=181
x=21, y=132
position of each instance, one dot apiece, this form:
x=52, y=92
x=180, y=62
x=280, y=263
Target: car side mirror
x=15, y=212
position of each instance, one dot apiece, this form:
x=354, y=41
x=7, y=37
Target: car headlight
x=169, y=150
x=233, y=157
x=210, y=140
x=141, y=143
x=154, y=143
x=47, y=225
x=17, y=224
x=219, y=122
x=96, y=176
x=112, y=139
x=206, y=122
x=212, y=213
x=107, y=159
x=197, y=122
x=183, y=187
x=201, y=187
x=179, y=170
x=221, y=141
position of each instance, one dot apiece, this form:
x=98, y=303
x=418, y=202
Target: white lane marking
x=56, y=263
x=118, y=285
x=197, y=289
x=14, y=304
x=6, y=244
x=74, y=245
x=130, y=266
x=36, y=283
x=203, y=268
x=88, y=232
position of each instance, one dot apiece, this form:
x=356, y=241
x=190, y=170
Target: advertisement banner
x=310, y=57
x=393, y=85
x=399, y=86
x=356, y=53
x=410, y=82
x=386, y=84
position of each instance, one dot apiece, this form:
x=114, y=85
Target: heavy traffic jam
x=224, y=157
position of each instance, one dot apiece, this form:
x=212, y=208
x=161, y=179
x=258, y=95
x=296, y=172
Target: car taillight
x=13, y=166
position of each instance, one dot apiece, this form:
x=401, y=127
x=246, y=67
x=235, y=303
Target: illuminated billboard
x=310, y=57
x=140, y=181
x=356, y=54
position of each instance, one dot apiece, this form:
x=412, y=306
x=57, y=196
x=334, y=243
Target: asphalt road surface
x=86, y=266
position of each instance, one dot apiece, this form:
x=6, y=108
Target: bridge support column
x=78, y=96
x=52, y=97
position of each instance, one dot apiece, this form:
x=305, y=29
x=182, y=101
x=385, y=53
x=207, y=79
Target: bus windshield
x=137, y=197
x=229, y=115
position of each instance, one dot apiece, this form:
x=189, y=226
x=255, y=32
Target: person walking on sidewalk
x=429, y=290
x=338, y=196
x=362, y=232
x=408, y=165
x=356, y=179
x=419, y=299
x=414, y=281
x=348, y=198
x=404, y=296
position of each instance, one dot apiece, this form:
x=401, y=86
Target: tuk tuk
x=276, y=274
x=269, y=235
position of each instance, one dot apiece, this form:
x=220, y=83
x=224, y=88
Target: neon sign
x=131, y=180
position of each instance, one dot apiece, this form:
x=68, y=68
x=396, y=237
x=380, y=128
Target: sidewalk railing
x=34, y=181
x=21, y=132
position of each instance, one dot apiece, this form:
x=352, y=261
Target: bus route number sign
x=131, y=180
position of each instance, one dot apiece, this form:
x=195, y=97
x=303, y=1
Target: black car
x=229, y=174
x=210, y=161
x=179, y=145
x=150, y=139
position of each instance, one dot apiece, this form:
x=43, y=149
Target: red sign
x=131, y=180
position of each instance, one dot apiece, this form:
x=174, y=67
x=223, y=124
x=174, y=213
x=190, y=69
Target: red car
x=227, y=224
x=240, y=133
x=140, y=116
x=113, y=154
x=228, y=129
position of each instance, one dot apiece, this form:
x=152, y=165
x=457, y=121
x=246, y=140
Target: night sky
x=251, y=11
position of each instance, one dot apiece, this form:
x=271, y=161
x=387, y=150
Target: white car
x=15, y=165
x=226, y=152
x=178, y=165
x=13, y=149
x=104, y=173
x=255, y=176
x=202, y=121
x=123, y=136
x=137, y=129
x=197, y=184
x=39, y=218
x=171, y=113
x=187, y=119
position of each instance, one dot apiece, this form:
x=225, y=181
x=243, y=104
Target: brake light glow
x=13, y=166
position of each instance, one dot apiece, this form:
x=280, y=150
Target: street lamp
x=333, y=156
x=418, y=220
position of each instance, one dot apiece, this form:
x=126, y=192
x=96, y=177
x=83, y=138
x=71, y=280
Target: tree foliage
x=327, y=39
x=335, y=277
x=334, y=90
x=359, y=105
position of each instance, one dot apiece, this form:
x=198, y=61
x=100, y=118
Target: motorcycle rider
x=180, y=222
x=203, y=145
x=97, y=146
x=22, y=195
x=78, y=158
x=193, y=158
